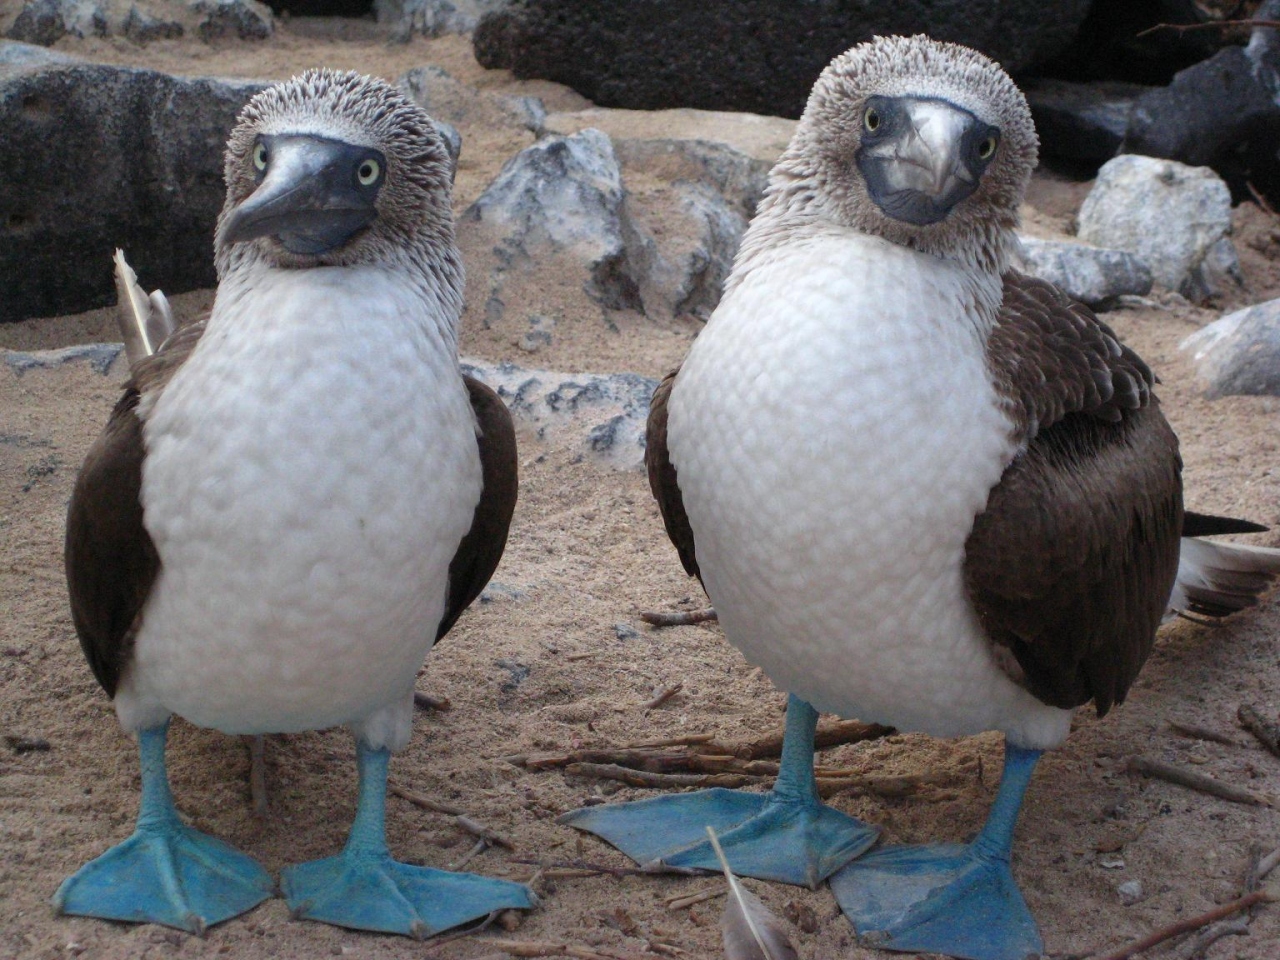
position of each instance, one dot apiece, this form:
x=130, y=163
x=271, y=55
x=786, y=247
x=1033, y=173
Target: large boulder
x=1223, y=113
x=760, y=56
x=1239, y=354
x=97, y=157
x=1176, y=218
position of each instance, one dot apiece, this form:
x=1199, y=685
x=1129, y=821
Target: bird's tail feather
x=1217, y=579
x=145, y=320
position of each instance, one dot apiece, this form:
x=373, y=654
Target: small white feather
x=750, y=930
x=144, y=320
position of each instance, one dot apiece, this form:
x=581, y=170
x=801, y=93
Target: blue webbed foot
x=948, y=899
x=377, y=893
x=363, y=888
x=166, y=872
x=787, y=835
x=766, y=836
x=955, y=899
x=176, y=876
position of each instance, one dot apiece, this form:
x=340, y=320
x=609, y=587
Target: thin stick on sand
x=1189, y=924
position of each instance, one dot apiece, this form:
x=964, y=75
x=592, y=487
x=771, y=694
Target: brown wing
x=662, y=477
x=111, y=562
x=481, y=549
x=1071, y=564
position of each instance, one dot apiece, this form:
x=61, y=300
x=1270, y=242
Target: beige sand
x=587, y=553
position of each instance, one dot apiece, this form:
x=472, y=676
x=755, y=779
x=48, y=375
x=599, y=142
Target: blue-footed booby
x=293, y=500
x=921, y=489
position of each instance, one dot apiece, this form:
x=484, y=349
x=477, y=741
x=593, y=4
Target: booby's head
x=336, y=169
x=926, y=144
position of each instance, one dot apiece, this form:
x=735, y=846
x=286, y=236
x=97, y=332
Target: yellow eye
x=871, y=119
x=987, y=148
x=369, y=172
x=260, y=157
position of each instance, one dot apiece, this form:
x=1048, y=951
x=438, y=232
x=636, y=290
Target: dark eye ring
x=871, y=119
x=987, y=148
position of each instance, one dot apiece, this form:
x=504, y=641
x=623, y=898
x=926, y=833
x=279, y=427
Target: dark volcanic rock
x=1081, y=121
x=97, y=157
x=1222, y=113
x=756, y=55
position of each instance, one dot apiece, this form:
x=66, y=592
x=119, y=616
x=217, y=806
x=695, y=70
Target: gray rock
x=431, y=18
x=1240, y=353
x=1173, y=216
x=1090, y=274
x=96, y=157
x=25, y=56
x=682, y=237
x=761, y=56
x=99, y=356
x=45, y=21
x=1130, y=892
x=245, y=19
x=1081, y=121
x=452, y=102
x=141, y=27
x=601, y=415
x=561, y=197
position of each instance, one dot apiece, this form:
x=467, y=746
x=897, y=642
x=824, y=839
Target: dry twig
x=543, y=948
x=662, y=694
x=678, y=618
x=686, y=900
x=1236, y=927
x=1208, y=25
x=1267, y=732
x=584, y=868
x=1198, y=781
x=426, y=803
x=258, y=774
x=1189, y=924
x=425, y=701
x=1200, y=733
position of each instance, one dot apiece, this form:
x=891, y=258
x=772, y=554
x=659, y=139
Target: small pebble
x=510, y=920
x=1130, y=892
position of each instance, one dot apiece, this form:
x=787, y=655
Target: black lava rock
x=755, y=55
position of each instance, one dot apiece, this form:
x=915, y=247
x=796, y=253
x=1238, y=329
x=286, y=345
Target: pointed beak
x=311, y=197
x=924, y=160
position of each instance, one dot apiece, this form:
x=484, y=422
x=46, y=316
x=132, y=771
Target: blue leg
x=364, y=889
x=166, y=872
x=787, y=835
x=955, y=899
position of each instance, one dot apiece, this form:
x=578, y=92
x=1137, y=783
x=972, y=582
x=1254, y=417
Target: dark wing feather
x=662, y=477
x=481, y=549
x=110, y=560
x=1071, y=564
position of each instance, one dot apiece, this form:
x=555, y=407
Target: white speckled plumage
x=304, y=568
x=834, y=440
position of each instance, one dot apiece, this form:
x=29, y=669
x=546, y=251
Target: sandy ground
x=559, y=660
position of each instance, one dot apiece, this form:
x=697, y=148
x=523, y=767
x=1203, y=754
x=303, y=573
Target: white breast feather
x=310, y=472
x=834, y=432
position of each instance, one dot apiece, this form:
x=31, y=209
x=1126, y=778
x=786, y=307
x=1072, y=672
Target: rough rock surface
x=97, y=157
x=1081, y=121
x=649, y=225
x=688, y=205
x=1176, y=218
x=1090, y=274
x=560, y=199
x=756, y=55
x=1223, y=113
x=44, y=22
x=432, y=18
x=602, y=415
x=1239, y=354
